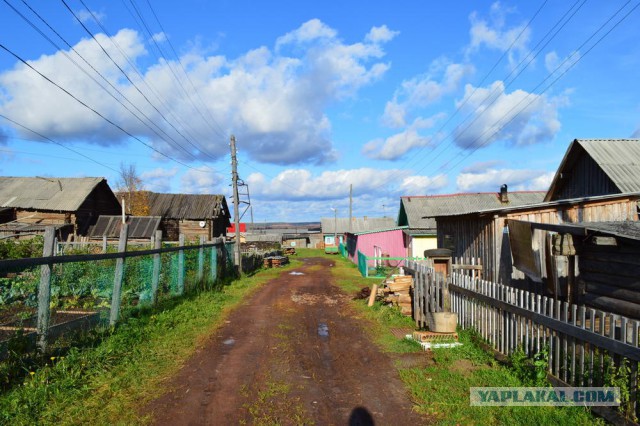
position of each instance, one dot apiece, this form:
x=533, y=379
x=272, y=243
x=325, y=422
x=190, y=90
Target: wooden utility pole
x=236, y=203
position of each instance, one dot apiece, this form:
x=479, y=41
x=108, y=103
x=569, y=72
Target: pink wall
x=392, y=243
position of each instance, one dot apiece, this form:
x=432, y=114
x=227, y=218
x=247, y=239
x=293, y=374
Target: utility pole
x=236, y=203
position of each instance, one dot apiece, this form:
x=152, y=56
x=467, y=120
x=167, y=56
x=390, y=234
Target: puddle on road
x=296, y=273
x=323, y=330
x=230, y=341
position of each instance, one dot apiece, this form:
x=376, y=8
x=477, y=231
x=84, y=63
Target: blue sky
x=414, y=98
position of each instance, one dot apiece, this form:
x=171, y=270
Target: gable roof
x=418, y=212
x=619, y=159
x=188, y=206
x=52, y=194
x=358, y=224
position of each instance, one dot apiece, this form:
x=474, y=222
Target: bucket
x=442, y=322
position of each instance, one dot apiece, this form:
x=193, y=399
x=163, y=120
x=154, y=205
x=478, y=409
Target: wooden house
x=593, y=167
x=193, y=215
x=417, y=212
x=604, y=259
x=485, y=235
x=71, y=204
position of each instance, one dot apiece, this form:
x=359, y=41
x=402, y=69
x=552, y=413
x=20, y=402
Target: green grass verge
x=441, y=391
x=115, y=373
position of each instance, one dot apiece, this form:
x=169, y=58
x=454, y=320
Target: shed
x=417, y=212
x=390, y=242
x=605, y=275
x=593, y=167
x=342, y=225
x=193, y=215
x=484, y=234
x=57, y=201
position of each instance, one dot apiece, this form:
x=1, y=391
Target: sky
x=386, y=98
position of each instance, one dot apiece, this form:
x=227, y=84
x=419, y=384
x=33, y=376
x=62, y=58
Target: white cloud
x=519, y=118
x=159, y=37
x=422, y=185
x=85, y=16
x=158, y=180
x=422, y=91
x=301, y=184
x=202, y=182
x=396, y=146
x=494, y=34
x=553, y=63
x=491, y=179
x=273, y=102
x=381, y=34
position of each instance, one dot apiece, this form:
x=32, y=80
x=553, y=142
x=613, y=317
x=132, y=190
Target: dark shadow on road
x=360, y=416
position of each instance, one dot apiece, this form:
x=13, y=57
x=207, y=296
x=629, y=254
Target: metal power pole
x=236, y=203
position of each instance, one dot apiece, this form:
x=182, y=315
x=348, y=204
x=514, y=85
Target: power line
x=128, y=78
x=117, y=126
x=559, y=67
x=55, y=142
x=30, y=23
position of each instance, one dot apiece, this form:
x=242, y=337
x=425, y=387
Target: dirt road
x=293, y=354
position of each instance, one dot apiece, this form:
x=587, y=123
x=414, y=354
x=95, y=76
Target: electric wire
x=124, y=73
x=111, y=122
x=555, y=80
x=147, y=124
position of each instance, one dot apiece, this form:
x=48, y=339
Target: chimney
x=504, y=197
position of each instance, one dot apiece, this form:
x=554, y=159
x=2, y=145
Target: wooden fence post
x=214, y=260
x=155, y=280
x=104, y=243
x=118, y=277
x=44, y=291
x=181, y=266
x=201, y=259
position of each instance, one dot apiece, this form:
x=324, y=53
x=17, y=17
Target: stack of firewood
x=397, y=291
x=275, y=261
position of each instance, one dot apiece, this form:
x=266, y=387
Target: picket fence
x=584, y=344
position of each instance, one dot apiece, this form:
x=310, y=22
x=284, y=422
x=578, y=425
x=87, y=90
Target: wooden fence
x=203, y=264
x=585, y=346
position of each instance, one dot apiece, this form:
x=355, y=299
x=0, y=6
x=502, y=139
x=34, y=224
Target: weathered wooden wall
x=486, y=237
x=585, y=180
x=609, y=277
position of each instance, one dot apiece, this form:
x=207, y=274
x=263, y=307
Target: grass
x=441, y=391
x=115, y=373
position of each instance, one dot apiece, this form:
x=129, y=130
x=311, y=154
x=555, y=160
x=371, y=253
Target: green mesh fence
x=81, y=292
x=362, y=264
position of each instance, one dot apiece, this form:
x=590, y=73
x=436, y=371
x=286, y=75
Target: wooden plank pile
x=275, y=261
x=397, y=291
x=290, y=251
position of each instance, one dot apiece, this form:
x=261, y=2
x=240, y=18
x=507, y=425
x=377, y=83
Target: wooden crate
x=430, y=336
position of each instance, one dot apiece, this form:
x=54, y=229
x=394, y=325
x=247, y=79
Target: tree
x=130, y=185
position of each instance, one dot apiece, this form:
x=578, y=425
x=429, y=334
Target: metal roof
x=139, y=226
x=188, y=206
x=550, y=204
x=626, y=229
x=421, y=210
x=358, y=224
x=618, y=158
x=42, y=193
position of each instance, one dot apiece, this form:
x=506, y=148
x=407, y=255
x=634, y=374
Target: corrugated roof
x=358, y=224
x=421, y=210
x=618, y=158
x=187, y=206
x=40, y=193
x=139, y=226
